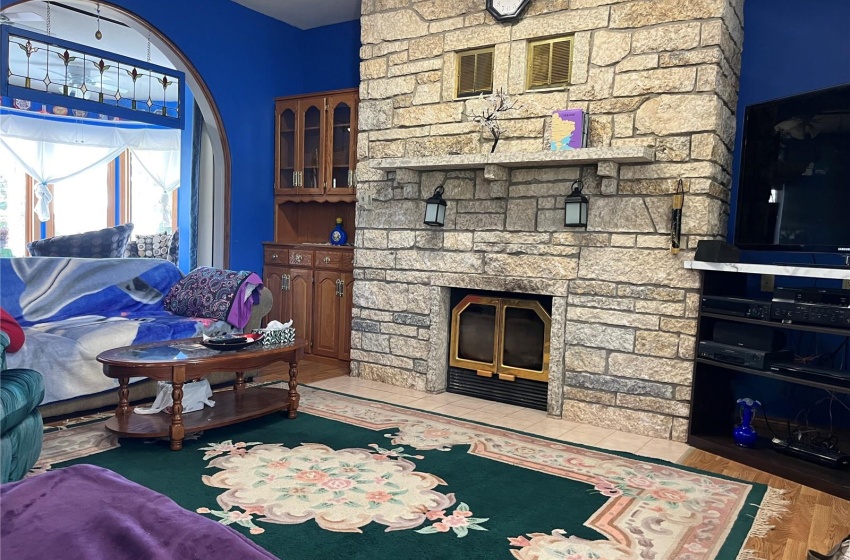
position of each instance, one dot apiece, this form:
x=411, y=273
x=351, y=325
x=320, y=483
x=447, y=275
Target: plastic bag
x=195, y=396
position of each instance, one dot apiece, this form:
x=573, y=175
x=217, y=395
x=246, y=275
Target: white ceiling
x=306, y=14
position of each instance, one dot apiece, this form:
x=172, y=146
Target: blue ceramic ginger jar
x=338, y=235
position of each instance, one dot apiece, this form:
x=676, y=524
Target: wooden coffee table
x=180, y=361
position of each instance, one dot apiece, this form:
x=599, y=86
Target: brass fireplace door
x=501, y=336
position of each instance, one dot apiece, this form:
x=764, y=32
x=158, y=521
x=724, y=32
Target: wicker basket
x=284, y=337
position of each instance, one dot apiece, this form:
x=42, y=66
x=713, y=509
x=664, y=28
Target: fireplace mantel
x=561, y=158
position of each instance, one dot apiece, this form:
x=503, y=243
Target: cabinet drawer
x=328, y=259
x=275, y=256
x=336, y=260
x=298, y=257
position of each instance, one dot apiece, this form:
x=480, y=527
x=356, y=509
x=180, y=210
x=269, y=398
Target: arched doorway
x=213, y=167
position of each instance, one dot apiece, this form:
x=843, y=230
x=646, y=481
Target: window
x=475, y=72
x=81, y=203
x=95, y=199
x=549, y=62
x=151, y=208
x=13, y=202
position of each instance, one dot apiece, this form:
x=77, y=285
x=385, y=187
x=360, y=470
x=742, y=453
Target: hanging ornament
x=97, y=34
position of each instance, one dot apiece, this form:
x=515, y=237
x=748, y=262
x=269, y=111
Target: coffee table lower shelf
x=230, y=407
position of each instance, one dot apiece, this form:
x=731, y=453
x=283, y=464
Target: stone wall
x=657, y=73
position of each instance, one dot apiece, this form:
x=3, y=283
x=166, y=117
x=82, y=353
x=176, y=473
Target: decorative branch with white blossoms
x=500, y=102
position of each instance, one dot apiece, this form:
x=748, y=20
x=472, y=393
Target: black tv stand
x=716, y=384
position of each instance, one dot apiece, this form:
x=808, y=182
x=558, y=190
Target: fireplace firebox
x=499, y=348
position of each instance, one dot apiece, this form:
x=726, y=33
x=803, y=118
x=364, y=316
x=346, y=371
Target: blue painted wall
x=246, y=60
x=789, y=48
x=335, y=49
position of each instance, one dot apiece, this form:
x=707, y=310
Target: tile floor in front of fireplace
x=508, y=416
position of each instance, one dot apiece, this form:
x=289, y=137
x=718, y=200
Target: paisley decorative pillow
x=205, y=292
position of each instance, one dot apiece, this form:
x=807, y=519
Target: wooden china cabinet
x=315, y=158
x=316, y=146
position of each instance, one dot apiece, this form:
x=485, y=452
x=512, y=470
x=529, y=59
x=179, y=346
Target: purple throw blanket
x=86, y=512
x=226, y=295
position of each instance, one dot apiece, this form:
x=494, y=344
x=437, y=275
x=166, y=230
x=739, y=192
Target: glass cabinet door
x=341, y=142
x=342, y=131
x=311, y=180
x=286, y=149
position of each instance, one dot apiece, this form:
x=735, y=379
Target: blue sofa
x=72, y=309
x=21, y=391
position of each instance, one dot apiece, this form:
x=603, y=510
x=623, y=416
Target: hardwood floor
x=308, y=371
x=814, y=520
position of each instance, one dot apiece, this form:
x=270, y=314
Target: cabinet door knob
x=326, y=260
x=298, y=258
x=274, y=256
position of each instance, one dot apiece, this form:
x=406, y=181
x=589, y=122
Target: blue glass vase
x=744, y=434
x=338, y=235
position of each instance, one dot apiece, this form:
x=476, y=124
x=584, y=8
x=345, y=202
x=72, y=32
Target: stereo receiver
x=829, y=315
x=738, y=307
x=819, y=296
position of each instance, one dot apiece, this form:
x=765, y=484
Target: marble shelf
x=563, y=158
x=776, y=270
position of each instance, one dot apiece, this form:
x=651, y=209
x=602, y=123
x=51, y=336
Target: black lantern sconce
x=435, y=209
x=575, y=207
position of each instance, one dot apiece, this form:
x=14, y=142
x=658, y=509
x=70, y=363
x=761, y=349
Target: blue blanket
x=72, y=309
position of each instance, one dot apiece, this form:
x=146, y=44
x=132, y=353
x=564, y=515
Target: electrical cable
x=769, y=427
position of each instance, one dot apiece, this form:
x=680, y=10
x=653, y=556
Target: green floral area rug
x=357, y=479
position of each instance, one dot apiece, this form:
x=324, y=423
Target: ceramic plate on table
x=231, y=342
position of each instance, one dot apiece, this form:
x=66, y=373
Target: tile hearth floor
x=508, y=416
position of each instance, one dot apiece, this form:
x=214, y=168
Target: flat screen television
x=794, y=186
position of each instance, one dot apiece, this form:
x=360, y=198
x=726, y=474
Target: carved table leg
x=177, y=431
x=240, y=381
x=294, y=397
x=123, y=396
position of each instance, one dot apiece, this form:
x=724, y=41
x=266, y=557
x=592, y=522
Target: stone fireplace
x=658, y=79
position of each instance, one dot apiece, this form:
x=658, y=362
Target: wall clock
x=506, y=10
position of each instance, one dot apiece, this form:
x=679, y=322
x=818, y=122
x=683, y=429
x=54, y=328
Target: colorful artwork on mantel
x=569, y=130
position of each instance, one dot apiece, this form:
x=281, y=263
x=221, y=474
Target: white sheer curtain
x=51, y=149
x=50, y=162
x=162, y=166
